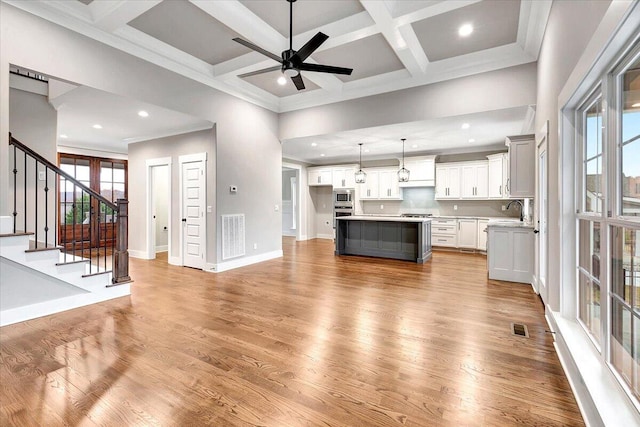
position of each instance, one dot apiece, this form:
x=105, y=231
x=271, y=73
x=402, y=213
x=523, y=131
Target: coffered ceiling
x=390, y=44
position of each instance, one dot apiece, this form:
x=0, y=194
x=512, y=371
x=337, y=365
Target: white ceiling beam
x=434, y=10
x=534, y=15
x=409, y=51
x=113, y=14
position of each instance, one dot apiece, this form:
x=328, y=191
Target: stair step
x=50, y=248
x=72, y=262
x=15, y=234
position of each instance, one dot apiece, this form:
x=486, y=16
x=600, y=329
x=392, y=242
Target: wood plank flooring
x=307, y=340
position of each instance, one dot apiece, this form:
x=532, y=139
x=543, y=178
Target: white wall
x=161, y=193
x=248, y=150
x=172, y=146
x=506, y=88
x=322, y=211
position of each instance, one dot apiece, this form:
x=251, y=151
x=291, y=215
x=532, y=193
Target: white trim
x=139, y=254
x=6, y=224
x=174, y=260
x=163, y=248
x=242, y=262
x=149, y=247
x=20, y=314
x=93, y=152
x=188, y=158
x=324, y=236
x=301, y=229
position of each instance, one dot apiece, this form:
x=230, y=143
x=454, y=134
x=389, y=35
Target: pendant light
x=403, y=174
x=361, y=177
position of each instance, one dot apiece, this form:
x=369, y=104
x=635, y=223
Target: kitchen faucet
x=521, y=208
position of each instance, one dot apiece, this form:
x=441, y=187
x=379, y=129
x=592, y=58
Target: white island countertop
x=509, y=223
x=382, y=218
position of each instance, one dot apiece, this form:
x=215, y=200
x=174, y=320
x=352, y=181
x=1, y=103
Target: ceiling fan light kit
x=292, y=61
x=360, y=176
x=403, y=174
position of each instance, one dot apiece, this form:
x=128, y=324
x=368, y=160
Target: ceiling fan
x=292, y=61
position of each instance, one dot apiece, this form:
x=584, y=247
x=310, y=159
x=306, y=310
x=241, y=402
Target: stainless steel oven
x=339, y=211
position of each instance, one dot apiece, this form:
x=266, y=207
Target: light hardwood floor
x=309, y=339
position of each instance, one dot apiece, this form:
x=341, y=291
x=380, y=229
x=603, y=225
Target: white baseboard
x=175, y=260
x=20, y=314
x=324, y=236
x=6, y=225
x=304, y=237
x=163, y=248
x=138, y=254
x=242, y=262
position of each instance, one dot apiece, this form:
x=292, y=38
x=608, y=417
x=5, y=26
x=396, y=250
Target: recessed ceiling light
x=366, y=150
x=472, y=140
x=414, y=146
x=63, y=136
x=143, y=113
x=313, y=144
x=465, y=30
x=97, y=126
x=466, y=126
x=636, y=105
x=321, y=155
x=282, y=81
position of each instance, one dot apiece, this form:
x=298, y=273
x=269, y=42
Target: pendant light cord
x=403, y=140
x=290, y=25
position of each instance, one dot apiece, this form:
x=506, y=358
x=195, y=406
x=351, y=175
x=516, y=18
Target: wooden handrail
x=56, y=169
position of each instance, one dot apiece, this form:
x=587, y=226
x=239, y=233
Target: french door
x=108, y=177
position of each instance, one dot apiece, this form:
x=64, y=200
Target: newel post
x=121, y=251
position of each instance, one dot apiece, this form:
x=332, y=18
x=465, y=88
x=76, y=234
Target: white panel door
x=542, y=206
x=495, y=190
x=193, y=218
x=467, y=233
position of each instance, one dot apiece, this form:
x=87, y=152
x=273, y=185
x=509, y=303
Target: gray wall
x=248, y=150
x=506, y=88
x=174, y=147
x=34, y=122
x=286, y=183
x=570, y=27
x=322, y=208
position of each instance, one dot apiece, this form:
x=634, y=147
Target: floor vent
x=520, y=330
x=232, y=236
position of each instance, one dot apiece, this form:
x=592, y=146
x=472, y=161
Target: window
x=608, y=220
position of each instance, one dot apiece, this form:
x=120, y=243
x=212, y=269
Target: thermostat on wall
x=233, y=189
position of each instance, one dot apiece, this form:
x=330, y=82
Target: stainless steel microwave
x=342, y=197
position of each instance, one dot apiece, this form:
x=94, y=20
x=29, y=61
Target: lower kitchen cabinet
x=444, y=232
x=482, y=234
x=510, y=253
x=467, y=233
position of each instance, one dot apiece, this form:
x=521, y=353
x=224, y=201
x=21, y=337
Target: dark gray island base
x=384, y=237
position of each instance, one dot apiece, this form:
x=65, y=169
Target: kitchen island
x=385, y=237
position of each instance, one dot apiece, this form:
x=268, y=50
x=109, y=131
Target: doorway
x=159, y=202
x=289, y=201
x=193, y=192
x=542, y=213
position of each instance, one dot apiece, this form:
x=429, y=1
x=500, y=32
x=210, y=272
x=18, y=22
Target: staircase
x=44, y=268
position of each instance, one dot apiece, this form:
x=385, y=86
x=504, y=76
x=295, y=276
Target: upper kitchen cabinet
x=381, y=184
x=521, y=181
x=344, y=177
x=447, y=181
x=498, y=175
x=474, y=180
x=320, y=176
x=422, y=172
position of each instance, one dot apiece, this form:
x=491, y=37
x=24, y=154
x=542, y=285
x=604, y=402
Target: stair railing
x=85, y=226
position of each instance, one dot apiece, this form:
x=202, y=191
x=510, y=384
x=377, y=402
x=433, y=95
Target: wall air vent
x=232, y=236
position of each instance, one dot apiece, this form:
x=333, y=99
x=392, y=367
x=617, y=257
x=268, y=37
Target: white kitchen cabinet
x=474, y=180
x=381, y=184
x=444, y=232
x=343, y=177
x=510, y=253
x=447, y=181
x=498, y=176
x=467, y=233
x=317, y=176
x=422, y=172
x=521, y=181
x=482, y=234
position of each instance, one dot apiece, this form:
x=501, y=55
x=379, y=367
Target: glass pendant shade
x=361, y=177
x=403, y=174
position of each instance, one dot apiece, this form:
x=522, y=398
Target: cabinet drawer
x=444, y=221
x=444, y=240
x=444, y=229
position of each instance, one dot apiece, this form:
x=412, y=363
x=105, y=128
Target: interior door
x=193, y=218
x=542, y=213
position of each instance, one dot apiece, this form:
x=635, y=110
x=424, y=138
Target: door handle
x=184, y=219
x=501, y=190
x=536, y=231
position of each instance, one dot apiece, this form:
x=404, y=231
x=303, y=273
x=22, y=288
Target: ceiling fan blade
x=308, y=48
x=264, y=70
x=325, y=69
x=297, y=80
x=257, y=49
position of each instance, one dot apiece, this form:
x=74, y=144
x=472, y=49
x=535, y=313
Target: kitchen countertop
x=509, y=224
x=382, y=218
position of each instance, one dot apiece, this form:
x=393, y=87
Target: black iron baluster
x=64, y=231
x=15, y=187
x=56, y=213
x=46, y=206
x=35, y=195
x=90, y=232
x=98, y=239
x=106, y=236
x=113, y=241
x=25, y=192
x=73, y=230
